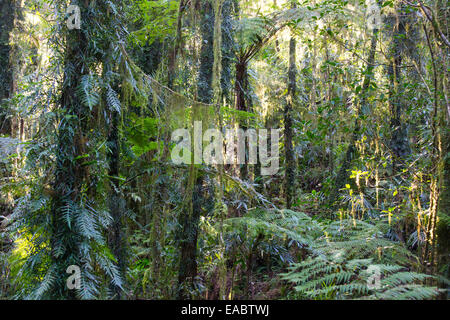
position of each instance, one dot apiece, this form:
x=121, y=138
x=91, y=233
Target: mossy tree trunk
x=190, y=220
x=439, y=251
x=176, y=47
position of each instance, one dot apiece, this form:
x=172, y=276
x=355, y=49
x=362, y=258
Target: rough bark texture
x=188, y=259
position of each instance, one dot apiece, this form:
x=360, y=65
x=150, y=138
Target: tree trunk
x=116, y=202
x=174, y=52
x=70, y=174
x=241, y=86
x=227, y=49
x=443, y=227
x=442, y=144
x=7, y=13
x=399, y=141
x=289, y=178
x=188, y=260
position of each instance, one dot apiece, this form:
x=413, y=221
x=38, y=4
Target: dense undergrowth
x=358, y=207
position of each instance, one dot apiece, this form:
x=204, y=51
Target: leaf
x=88, y=92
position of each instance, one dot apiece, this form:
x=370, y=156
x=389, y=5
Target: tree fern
x=285, y=224
x=345, y=257
x=318, y=278
x=349, y=257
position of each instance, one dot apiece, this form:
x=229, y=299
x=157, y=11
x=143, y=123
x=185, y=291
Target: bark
x=399, y=141
x=116, y=202
x=7, y=13
x=227, y=49
x=116, y=236
x=188, y=258
x=241, y=86
x=443, y=207
x=443, y=168
x=70, y=174
x=288, y=130
x=174, y=52
x=190, y=221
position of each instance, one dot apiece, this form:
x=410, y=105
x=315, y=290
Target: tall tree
x=399, y=141
x=436, y=251
x=77, y=238
x=116, y=203
x=289, y=179
x=443, y=226
x=190, y=220
x=227, y=49
x=7, y=17
x=72, y=142
x=251, y=42
x=177, y=44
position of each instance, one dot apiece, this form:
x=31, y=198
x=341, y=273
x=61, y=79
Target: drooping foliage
x=93, y=121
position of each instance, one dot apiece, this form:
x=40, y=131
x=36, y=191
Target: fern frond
x=88, y=91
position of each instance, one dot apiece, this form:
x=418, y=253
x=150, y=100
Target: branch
x=429, y=14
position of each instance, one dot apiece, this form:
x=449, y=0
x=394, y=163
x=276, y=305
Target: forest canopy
x=224, y=149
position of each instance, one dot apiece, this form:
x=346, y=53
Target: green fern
x=353, y=260
x=112, y=100
x=87, y=91
x=345, y=257
x=317, y=278
x=285, y=224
